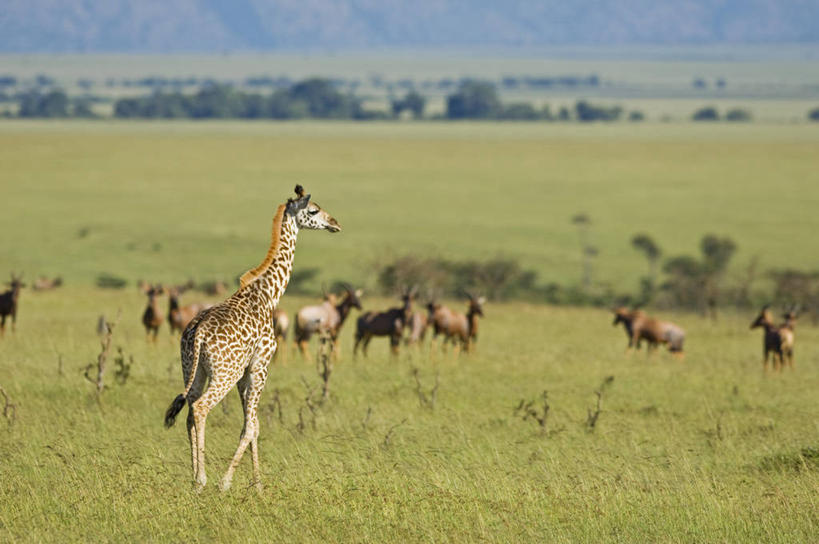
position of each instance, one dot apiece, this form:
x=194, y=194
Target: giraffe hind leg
x=252, y=383
x=218, y=387
x=193, y=395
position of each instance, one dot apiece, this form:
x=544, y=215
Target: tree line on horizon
x=318, y=98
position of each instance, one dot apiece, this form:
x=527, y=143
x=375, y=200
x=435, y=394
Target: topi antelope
x=455, y=326
x=417, y=326
x=388, y=323
x=281, y=324
x=640, y=326
x=152, y=317
x=180, y=316
x=44, y=284
x=328, y=316
x=776, y=338
x=8, y=303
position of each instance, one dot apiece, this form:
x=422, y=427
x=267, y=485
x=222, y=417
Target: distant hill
x=219, y=25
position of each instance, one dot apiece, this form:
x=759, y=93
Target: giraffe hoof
x=225, y=484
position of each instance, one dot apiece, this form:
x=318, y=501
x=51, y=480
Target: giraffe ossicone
x=232, y=343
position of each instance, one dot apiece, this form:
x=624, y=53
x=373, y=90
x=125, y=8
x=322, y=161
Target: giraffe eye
x=312, y=212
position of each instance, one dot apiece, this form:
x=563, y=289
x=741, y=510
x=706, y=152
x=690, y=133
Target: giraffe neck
x=273, y=281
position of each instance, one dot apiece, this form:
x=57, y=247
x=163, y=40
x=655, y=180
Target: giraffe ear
x=295, y=205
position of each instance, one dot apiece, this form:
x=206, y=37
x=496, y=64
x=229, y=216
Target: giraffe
x=232, y=343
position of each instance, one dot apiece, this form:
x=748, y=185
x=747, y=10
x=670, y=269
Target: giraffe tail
x=175, y=407
x=179, y=402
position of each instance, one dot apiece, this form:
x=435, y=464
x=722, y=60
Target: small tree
x=717, y=253
x=413, y=102
x=652, y=252
x=708, y=113
x=813, y=114
x=588, y=253
x=474, y=100
x=695, y=282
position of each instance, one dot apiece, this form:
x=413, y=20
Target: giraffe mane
x=253, y=274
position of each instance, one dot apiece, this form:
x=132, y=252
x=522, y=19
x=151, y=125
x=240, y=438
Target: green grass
x=169, y=201
x=701, y=451
x=705, y=450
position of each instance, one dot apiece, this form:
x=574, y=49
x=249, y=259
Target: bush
x=498, y=278
x=708, y=113
x=588, y=112
x=636, y=116
x=813, y=114
x=110, y=281
x=738, y=115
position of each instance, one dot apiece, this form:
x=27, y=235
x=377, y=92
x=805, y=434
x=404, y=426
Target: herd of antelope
x=402, y=324
x=406, y=323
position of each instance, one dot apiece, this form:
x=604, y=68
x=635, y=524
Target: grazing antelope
x=417, y=327
x=180, y=316
x=388, y=323
x=152, y=317
x=455, y=326
x=44, y=284
x=8, y=303
x=232, y=343
x=281, y=324
x=640, y=326
x=328, y=316
x=778, y=339
x=215, y=288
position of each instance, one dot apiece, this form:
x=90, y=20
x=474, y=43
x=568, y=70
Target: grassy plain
x=707, y=450
x=169, y=201
x=701, y=451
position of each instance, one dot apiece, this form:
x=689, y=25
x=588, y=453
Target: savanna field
x=702, y=450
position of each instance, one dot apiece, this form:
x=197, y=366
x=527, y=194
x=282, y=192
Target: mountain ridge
x=157, y=26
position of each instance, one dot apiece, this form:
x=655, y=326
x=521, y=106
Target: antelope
x=456, y=326
x=152, y=317
x=180, y=316
x=388, y=323
x=215, y=288
x=44, y=284
x=281, y=324
x=417, y=326
x=8, y=303
x=777, y=339
x=328, y=316
x=640, y=326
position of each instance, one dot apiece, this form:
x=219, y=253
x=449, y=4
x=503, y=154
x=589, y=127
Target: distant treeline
x=516, y=82
x=318, y=98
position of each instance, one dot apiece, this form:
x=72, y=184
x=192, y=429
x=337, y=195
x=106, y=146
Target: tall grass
x=704, y=450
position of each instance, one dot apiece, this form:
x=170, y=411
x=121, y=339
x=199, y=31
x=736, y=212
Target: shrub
x=738, y=115
x=708, y=113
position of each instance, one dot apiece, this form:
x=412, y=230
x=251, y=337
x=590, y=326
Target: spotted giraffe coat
x=240, y=329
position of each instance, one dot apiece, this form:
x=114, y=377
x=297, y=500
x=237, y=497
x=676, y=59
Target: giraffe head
x=309, y=215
